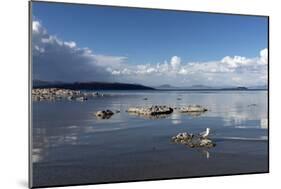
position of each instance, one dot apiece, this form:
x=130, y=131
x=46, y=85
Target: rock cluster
x=151, y=111
x=104, y=114
x=192, y=140
x=61, y=94
x=192, y=108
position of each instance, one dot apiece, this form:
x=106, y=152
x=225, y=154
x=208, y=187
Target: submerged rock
x=104, y=114
x=193, y=140
x=252, y=105
x=151, y=111
x=81, y=98
x=194, y=114
x=192, y=108
x=70, y=98
x=97, y=94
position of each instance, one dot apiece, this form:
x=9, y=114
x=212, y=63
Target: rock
x=192, y=108
x=60, y=94
x=206, y=143
x=252, y=105
x=192, y=141
x=104, y=114
x=152, y=111
x=70, y=98
x=95, y=94
x=82, y=98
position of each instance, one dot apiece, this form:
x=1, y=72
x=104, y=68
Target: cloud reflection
x=44, y=139
x=176, y=118
x=264, y=123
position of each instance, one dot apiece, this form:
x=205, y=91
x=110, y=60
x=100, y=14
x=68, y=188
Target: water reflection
x=264, y=123
x=176, y=118
x=206, y=153
x=159, y=116
x=47, y=138
x=194, y=114
x=37, y=154
x=235, y=108
x=62, y=124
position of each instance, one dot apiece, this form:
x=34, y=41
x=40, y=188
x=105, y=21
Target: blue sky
x=143, y=36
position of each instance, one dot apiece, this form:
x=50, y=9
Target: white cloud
x=105, y=60
x=36, y=27
x=236, y=70
x=70, y=44
x=263, y=56
x=55, y=59
x=175, y=62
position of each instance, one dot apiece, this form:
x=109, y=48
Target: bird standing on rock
x=205, y=133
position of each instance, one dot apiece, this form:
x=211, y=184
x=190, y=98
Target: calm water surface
x=72, y=146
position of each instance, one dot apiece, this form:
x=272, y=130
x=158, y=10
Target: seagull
x=205, y=133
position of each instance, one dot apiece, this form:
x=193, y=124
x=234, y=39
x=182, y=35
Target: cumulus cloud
x=263, y=56
x=58, y=60
x=105, y=60
x=230, y=70
x=175, y=62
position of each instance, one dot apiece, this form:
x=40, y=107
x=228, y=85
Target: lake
x=72, y=146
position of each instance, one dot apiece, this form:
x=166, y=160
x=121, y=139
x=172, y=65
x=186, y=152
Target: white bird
x=205, y=133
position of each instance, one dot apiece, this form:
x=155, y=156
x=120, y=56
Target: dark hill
x=90, y=85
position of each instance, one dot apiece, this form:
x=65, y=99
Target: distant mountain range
x=89, y=85
x=166, y=86
x=259, y=87
x=128, y=86
x=204, y=87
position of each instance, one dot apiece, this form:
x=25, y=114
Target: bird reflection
x=206, y=153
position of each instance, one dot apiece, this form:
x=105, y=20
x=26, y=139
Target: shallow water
x=72, y=146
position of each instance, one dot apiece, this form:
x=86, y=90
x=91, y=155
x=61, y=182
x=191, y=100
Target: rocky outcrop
x=147, y=116
x=192, y=108
x=193, y=141
x=151, y=111
x=50, y=94
x=104, y=114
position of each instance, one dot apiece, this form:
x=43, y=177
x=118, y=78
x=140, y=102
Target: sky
x=72, y=42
